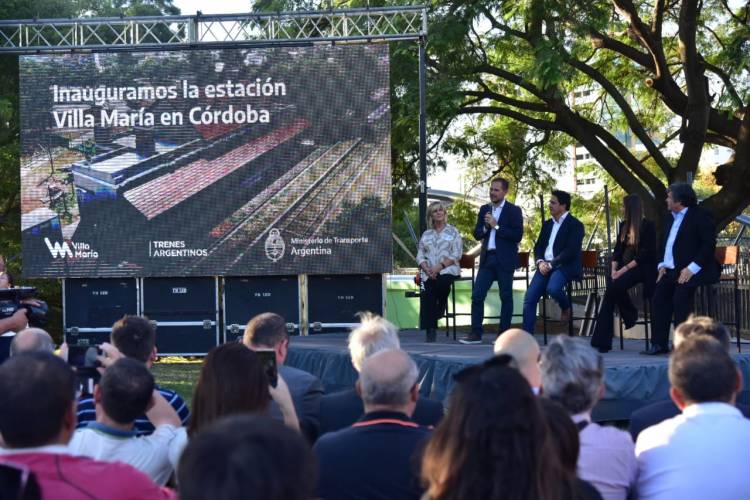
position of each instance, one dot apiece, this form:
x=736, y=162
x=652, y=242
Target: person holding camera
x=134, y=337
x=20, y=318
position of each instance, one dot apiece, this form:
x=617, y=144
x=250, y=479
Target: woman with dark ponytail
x=633, y=262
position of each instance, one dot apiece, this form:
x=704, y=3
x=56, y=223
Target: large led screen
x=206, y=162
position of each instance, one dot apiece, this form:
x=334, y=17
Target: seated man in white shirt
x=125, y=392
x=702, y=453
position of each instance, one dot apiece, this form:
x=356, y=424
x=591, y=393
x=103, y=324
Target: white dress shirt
x=496, y=211
x=548, y=253
x=668, y=261
x=701, y=454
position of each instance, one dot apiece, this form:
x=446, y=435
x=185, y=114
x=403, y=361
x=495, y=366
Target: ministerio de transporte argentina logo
x=275, y=245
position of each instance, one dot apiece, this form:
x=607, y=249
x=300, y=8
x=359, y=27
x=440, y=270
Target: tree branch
x=489, y=94
x=696, y=115
x=633, y=122
x=602, y=41
x=532, y=122
x=727, y=82
x=511, y=77
x=658, y=18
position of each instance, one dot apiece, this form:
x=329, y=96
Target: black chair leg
x=646, y=319
x=544, y=317
x=737, y=313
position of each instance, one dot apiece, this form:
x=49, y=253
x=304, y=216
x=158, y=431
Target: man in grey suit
x=267, y=331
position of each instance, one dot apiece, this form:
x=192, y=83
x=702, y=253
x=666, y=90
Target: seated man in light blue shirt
x=687, y=261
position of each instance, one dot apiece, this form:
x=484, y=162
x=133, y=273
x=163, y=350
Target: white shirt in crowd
x=701, y=454
x=149, y=454
x=549, y=253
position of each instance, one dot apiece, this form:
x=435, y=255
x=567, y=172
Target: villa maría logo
x=70, y=250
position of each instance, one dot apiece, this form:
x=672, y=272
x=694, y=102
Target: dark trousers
x=554, y=285
x=670, y=299
x=616, y=295
x=434, y=299
x=489, y=272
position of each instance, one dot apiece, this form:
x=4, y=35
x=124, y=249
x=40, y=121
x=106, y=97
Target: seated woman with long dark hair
x=232, y=381
x=633, y=262
x=493, y=443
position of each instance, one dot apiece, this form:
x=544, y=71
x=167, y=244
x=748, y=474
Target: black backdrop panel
x=248, y=297
x=336, y=299
x=172, y=302
x=97, y=303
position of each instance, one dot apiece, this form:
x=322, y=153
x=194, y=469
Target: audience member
x=493, y=443
x=18, y=320
x=135, y=337
x=126, y=391
x=37, y=420
x=232, y=380
x=564, y=438
x=524, y=348
x=267, y=331
x=573, y=375
x=378, y=456
x=662, y=410
x=31, y=339
x=702, y=453
x=247, y=457
x=341, y=409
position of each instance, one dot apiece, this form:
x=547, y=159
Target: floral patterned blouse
x=435, y=246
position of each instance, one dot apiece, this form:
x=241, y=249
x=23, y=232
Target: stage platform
x=632, y=380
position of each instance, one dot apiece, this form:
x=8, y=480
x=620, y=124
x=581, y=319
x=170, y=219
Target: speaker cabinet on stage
x=333, y=300
x=248, y=297
x=91, y=306
x=186, y=312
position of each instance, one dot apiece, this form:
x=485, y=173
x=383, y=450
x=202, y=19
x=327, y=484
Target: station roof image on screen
x=206, y=162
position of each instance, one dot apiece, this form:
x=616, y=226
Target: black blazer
x=695, y=242
x=342, y=409
x=567, y=247
x=645, y=254
x=658, y=412
x=506, y=238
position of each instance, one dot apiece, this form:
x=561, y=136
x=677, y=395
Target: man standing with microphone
x=500, y=229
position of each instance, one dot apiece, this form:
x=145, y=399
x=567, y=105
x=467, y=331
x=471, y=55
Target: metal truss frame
x=138, y=34
x=175, y=32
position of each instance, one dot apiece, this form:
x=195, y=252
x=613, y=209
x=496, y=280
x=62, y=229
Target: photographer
x=18, y=320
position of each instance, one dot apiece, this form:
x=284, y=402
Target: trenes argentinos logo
x=71, y=250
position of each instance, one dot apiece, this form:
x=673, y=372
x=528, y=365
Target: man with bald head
x=375, y=457
x=31, y=339
x=524, y=348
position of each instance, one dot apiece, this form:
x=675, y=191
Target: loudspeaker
x=91, y=306
x=245, y=297
x=186, y=312
x=334, y=300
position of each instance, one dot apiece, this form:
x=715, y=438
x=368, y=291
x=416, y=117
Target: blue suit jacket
x=506, y=238
x=567, y=247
